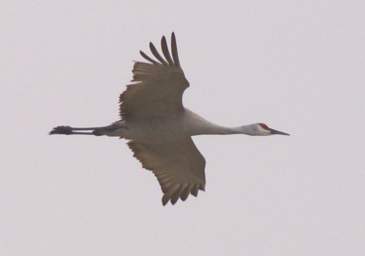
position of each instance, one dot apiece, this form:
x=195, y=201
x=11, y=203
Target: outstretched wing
x=178, y=166
x=158, y=85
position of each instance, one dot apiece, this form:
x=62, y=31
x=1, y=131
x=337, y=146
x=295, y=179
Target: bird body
x=159, y=128
x=186, y=124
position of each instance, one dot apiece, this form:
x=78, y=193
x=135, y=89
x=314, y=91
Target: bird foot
x=66, y=130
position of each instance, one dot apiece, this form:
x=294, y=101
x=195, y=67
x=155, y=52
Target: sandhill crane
x=159, y=128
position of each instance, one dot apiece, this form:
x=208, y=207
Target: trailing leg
x=110, y=130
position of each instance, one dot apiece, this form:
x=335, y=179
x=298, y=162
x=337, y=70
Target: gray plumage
x=159, y=128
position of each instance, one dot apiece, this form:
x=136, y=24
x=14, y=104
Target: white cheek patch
x=263, y=131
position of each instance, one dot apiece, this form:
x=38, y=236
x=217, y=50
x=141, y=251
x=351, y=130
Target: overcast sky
x=296, y=65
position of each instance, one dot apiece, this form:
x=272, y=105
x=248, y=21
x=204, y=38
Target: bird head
x=264, y=130
x=261, y=129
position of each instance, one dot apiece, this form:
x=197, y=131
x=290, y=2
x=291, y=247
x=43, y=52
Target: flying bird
x=159, y=128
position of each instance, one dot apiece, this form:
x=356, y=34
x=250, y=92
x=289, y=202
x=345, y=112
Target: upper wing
x=158, y=88
x=178, y=166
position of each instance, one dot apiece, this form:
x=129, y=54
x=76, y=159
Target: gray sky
x=296, y=65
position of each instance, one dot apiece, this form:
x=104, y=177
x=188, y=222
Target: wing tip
x=169, y=60
x=174, y=50
x=165, y=200
x=182, y=194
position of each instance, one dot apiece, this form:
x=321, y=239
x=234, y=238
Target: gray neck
x=197, y=125
x=214, y=129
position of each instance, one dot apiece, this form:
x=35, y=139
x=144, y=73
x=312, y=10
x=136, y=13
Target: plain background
x=296, y=65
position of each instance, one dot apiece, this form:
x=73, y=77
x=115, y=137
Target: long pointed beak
x=278, y=132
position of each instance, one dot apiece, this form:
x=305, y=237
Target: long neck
x=213, y=129
x=197, y=125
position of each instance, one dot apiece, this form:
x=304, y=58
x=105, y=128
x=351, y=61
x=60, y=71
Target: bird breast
x=166, y=128
x=154, y=129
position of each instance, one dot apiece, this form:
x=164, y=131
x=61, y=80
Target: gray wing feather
x=158, y=88
x=148, y=57
x=165, y=51
x=175, y=56
x=157, y=55
x=178, y=166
